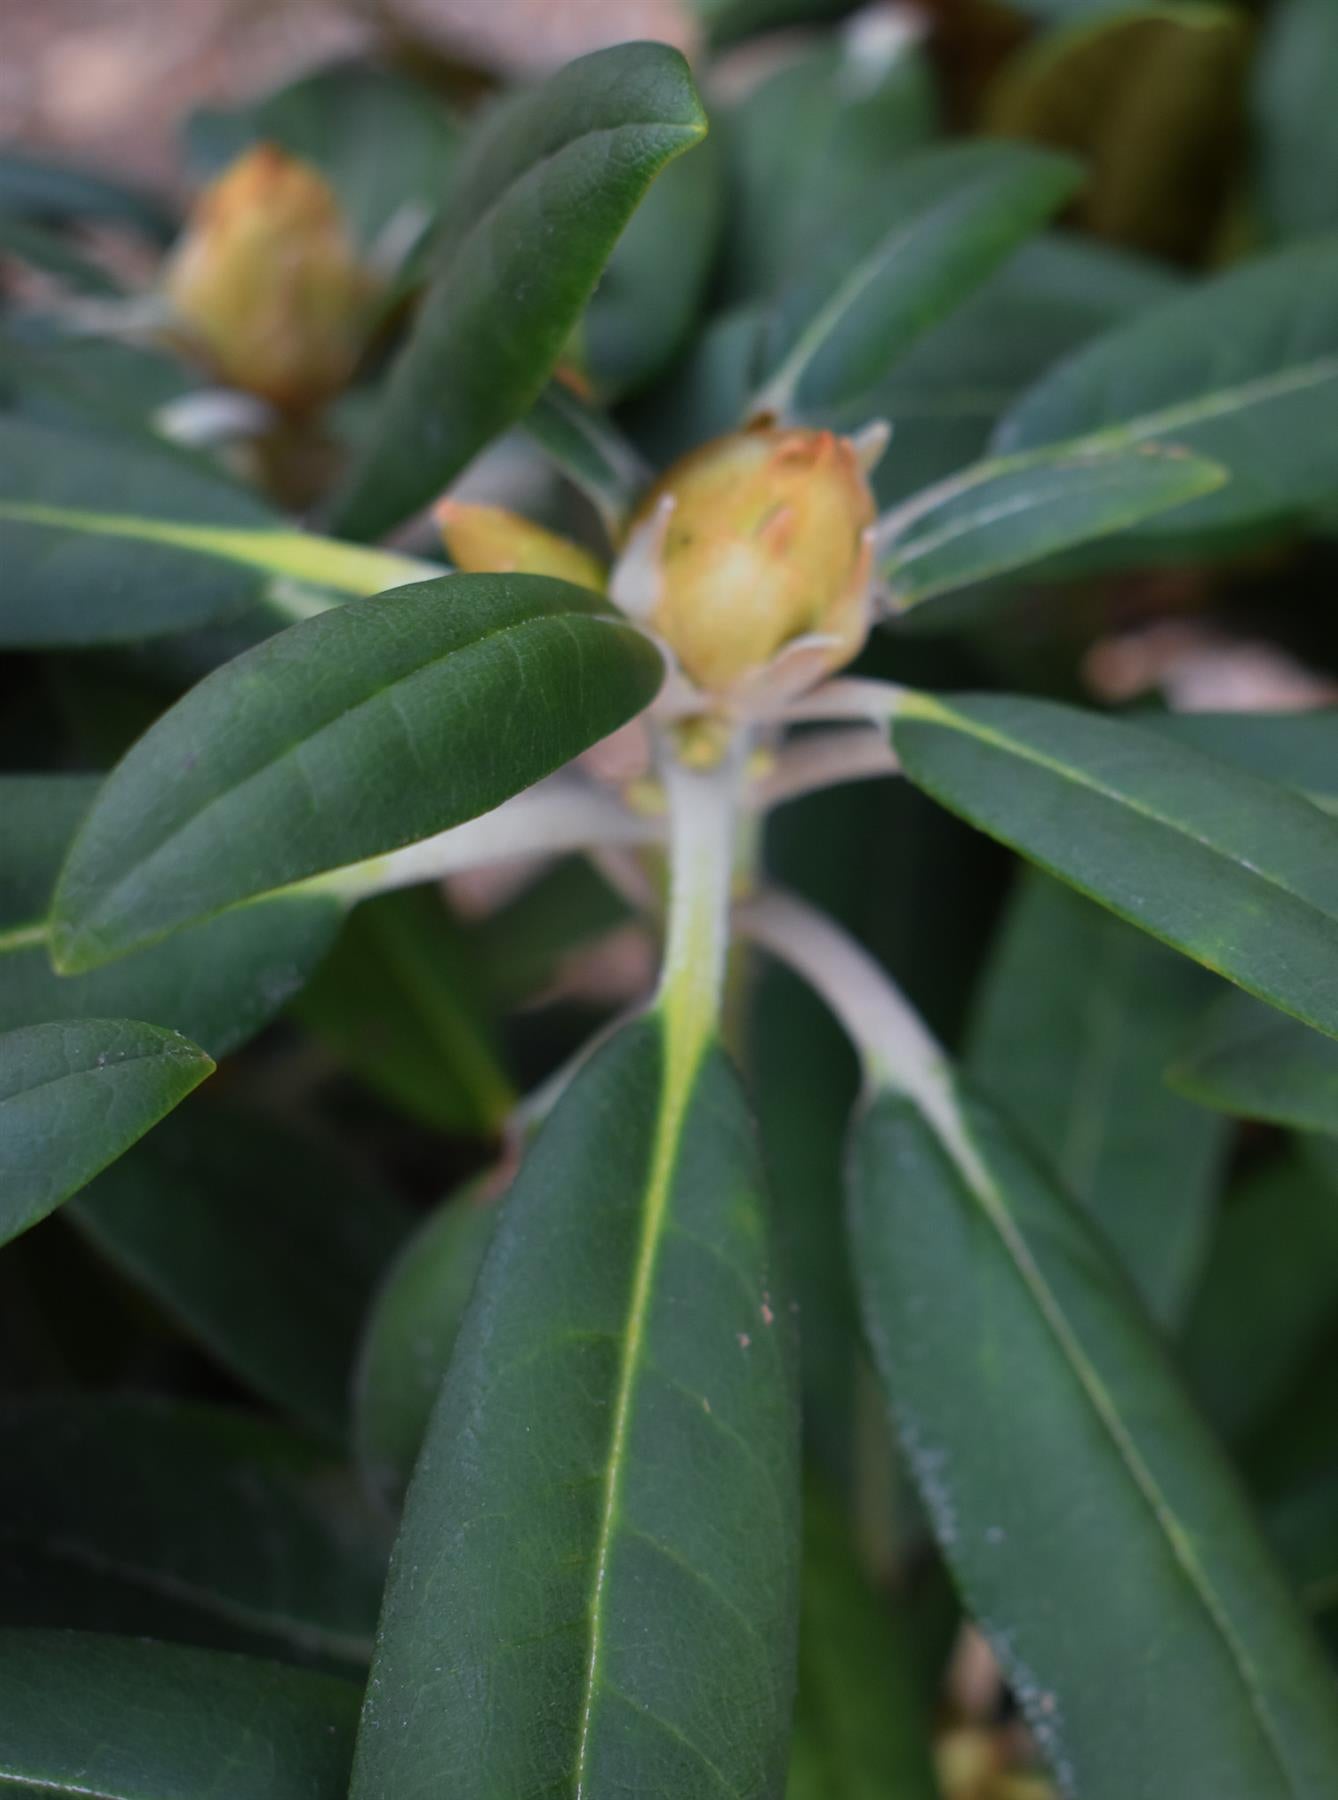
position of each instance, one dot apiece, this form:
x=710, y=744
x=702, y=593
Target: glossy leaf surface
x=544, y=192
x=1234, y=872
x=69, y=585
x=105, y=548
x=411, y=1329
x=216, y=983
x=74, y=1097
x=615, y=1443
x=1296, y=749
x=187, y=1522
x=1007, y=514
x=931, y=232
x=352, y=734
x=1243, y=369
x=952, y=386
x=868, y=104
x=1043, y=1426
x=1077, y=1018
x=649, y=295
x=89, y=384
x=260, y=1240
x=127, y=1719
x=1245, y=1058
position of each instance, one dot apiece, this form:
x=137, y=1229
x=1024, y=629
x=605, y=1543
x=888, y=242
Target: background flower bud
x=767, y=542
x=266, y=281
x=482, y=539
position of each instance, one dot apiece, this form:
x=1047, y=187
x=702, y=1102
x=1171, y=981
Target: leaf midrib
x=171, y=1052
x=675, y=1093
x=432, y=664
x=1135, y=508
x=1202, y=408
x=995, y=1207
x=780, y=387
x=927, y=710
x=284, y=1628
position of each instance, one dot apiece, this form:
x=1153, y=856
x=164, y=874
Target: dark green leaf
x=32, y=188
x=952, y=386
x=1078, y=1015
x=1298, y=750
x=1013, y=511
x=613, y=1451
x=652, y=290
x=1295, y=127
x=260, y=1240
x=1242, y=370
x=126, y=1719
x=385, y=142
x=39, y=815
x=590, y=452
x=217, y=984
x=706, y=392
x=400, y=1003
x=74, y=1097
x=1269, y=1290
x=90, y=384
x=349, y=735
x=862, y=1713
x=868, y=101
x=1045, y=1430
x=906, y=254
x=54, y=255
x=108, y=546
x=68, y=585
x=1245, y=1058
x=184, y=1522
x=1234, y=872
x=411, y=1332
x=543, y=195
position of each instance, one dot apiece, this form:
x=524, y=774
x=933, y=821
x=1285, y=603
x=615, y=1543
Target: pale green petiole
x=896, y=1049
x=563, y=814
x=299, y=556
x=703, y=808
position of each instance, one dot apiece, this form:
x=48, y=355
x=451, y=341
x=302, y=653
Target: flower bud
x=765, y=539
x=481, y=539
x=266, y=281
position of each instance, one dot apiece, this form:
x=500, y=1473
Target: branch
x=564, y=813
x=824, y=759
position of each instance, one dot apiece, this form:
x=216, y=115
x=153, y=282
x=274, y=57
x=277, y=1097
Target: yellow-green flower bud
x=765, y=537
x=266, y=282
x=483, y=539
